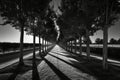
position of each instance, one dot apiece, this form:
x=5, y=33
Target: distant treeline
x=112, y=41
x=5, y=46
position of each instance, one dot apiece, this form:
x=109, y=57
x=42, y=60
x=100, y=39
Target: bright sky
x=10, y=34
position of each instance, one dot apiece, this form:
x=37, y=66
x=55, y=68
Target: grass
x=113, y=52
x=12, y=71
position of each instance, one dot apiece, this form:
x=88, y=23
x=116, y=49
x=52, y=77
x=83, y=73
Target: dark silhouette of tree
x=118, y=41
x=113, y=41
x=16, y=13
x=40, y=26
x=99, y=41
x=78, y=17
x=12, y=12
x=93, y=15
x=108, y=10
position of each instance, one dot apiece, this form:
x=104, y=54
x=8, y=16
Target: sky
x=9, y=34
x=113, y=32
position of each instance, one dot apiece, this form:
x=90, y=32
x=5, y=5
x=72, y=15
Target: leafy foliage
x=78, y=15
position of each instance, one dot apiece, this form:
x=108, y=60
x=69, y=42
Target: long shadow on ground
x=82, y=68
x=44, y=53
x=19, y=69
x=61, y=75
x=23, y=68
x=35, y=74
x=70, y=55
x=92, y=67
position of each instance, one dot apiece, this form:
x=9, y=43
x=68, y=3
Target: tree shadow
x=35, y=74
x=93, y=68
x=79, y=66
x=19, y=69
x=61, y=75
x=44, y=53
x=22, y=68
x=80, y=59
x=71, y=64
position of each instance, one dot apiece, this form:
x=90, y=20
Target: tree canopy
x=76, y=15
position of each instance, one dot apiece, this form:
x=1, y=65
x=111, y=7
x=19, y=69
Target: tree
x=12, y=12
x=118, y=41
x=99, y=41
x=108, y=11
x=113, y=41
x=37, y=28
x=94, y=15
x=17, y=13
x=79, y=15
x=103, y=15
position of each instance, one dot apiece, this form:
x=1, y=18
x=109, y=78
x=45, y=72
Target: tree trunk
x=105, y=38
x=67, y=46
x=39, y=45
x=88, y=44
x=35, y=75
x=21, y=45
x=80, y=44
x=71, y=46
x=34, y=58
x=105, y=47
x=45, y=47
x=42, y=44
x=75, y=47
x=34, y=47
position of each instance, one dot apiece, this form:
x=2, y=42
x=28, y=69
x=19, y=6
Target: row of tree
x=83, y=18
x=34, y=17
x=78, y=18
